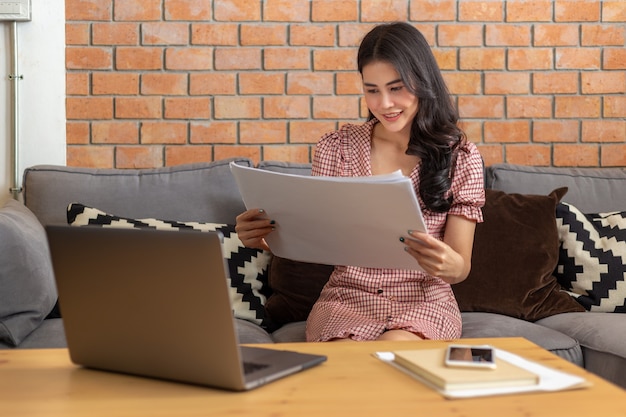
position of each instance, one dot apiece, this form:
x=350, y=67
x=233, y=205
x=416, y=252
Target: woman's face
x=388, y=98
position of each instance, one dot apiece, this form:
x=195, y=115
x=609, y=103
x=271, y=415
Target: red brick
x=524, y=59
x=481, y=106
x=606, y=82
x=348, y=83
x=196, y=10
x=189, y=59
x=446, y=58
x=528, y=107
x=111, y=132
x=89, y=108
x=576, y=11
x=213, y=132
x=433, y=10
x=574, y=107
x=114, y=83
x=614, y=59
x=604, y=131
x=76, y=34
x=613, y=11
x=77, y=83
x=287, y=58
x=245, y=151
x=140, y=58
x=223, y=34
x=481, y=11
x=507, y=131
x=237, y=59
x=473, y=130
x=343, y=107
x=460, y=34
x=213, y=83
x=138, y=108
x=482, y=59
x=352, y=34
x=90, y=156
x=77, y=133
x=615, y=106
x=187, y=108
x=531, y=154
x=309, y=35
x=556, y=131
x=507, y=83
x=556, y=35
x=165, y=33
x=528, y=10
x=312, y=83
x=559, y=82
x=138, y=157
x=179, y=155
x=575, y=155
x=163, y=132
x=334, y=60
x=115, y=34
x=263, y=132
x=613, y=156
x=384, y=10
x=263, y=35
x=88, y=58
x=287, y=107
x=463, y=82
x=290, y=153
x=237, y=107
x=612, y=35
x=334, y=10
x=309, y=131
x=507, y=35
x=492, y=154
x=237, y=10
x=137, y=10
x=286, y=11
x=261, y=83
x=164, y=84
x=578, y=58
x=88, y=10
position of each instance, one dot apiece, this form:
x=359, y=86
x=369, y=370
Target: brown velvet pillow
x=516, y=250
x=295, y=288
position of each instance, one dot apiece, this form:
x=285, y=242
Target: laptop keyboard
x=249, y=367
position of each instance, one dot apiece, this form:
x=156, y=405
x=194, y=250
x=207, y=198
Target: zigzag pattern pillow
x=248, y=268
x=592, y=258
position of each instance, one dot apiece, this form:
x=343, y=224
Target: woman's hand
x=252, y=227
x=449, y=259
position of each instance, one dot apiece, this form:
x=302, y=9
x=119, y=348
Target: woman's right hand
x=252, y=227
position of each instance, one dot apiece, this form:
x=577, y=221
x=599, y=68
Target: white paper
x=549, y=379
x=354, y=221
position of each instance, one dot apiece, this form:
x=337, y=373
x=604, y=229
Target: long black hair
x=435, y=135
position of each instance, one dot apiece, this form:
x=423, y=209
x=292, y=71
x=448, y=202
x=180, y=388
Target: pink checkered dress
x=362, y=303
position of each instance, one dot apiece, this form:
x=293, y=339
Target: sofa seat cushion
x=592, y=257
x=49, y=335
x=602, y=337
x=497, y=325
x=247, y=267
x=515, y=252
x=27, y=287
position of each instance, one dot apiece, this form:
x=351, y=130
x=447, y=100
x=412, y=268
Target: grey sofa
x=207, y=192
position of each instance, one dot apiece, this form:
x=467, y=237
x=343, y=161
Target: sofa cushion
x=515, y=252
x=295, y=288
x=202, y=192
x=27, y=283
x=247, y=267
x=592, y=257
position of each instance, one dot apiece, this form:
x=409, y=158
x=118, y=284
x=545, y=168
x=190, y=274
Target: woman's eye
x=398, y=88
x=372, y=91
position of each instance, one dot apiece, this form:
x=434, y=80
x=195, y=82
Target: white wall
x=41, y=60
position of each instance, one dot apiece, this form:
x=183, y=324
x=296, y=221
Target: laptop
x=156, y=304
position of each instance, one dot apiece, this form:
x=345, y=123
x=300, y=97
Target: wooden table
x=351, y=383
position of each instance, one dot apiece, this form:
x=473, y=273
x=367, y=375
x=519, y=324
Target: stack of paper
x=354, y=221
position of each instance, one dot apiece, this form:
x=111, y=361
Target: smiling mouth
x=392, y=116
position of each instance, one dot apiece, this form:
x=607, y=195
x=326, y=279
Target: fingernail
x=410, y=232
x=272, y=221
x=261, y=211
x=401, y=239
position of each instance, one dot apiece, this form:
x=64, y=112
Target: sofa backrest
x=592, y=190
x=202, y=192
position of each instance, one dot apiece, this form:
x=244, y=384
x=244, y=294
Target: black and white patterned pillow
x=248, y=268
x=592, y=258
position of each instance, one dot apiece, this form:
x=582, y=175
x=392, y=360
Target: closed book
x=429, y=364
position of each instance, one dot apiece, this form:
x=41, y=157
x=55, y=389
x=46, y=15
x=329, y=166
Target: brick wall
x=162, y=82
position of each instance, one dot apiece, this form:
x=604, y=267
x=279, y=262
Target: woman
x=413, y=128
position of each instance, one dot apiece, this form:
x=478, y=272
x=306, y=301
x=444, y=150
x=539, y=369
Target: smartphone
x=482, y=357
